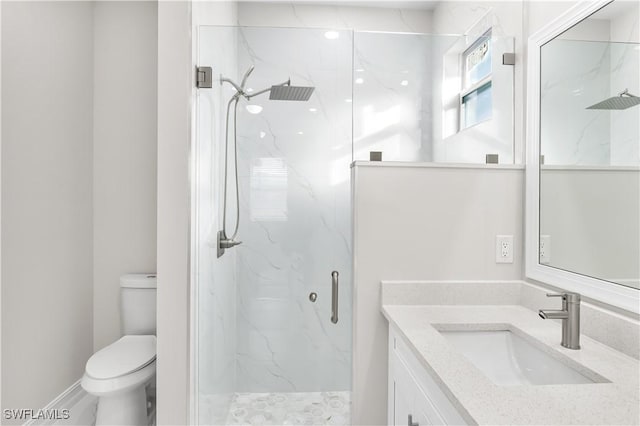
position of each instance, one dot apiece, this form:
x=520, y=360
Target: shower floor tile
x=291, y=408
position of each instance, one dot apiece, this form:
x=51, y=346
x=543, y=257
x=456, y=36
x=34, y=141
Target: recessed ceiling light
x=348, y=101
x=313, y=109
x=254, y=109
x=301, y=133
x=359, y=80
x=331, y=35
x=262, y=135
x=404, y=83
x=360, y=70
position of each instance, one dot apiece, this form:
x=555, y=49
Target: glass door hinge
x=204, y=77
x=508, y=59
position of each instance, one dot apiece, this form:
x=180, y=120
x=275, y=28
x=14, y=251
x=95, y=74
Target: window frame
x=467, y=90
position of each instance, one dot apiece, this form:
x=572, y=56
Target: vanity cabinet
x=414, y=398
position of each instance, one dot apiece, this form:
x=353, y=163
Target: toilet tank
x=138, y=303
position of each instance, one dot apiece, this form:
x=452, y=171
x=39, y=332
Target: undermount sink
x=508, y=359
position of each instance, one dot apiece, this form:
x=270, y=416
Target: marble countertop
x=481, y=401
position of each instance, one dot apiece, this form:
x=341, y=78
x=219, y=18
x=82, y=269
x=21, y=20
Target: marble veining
x=293, y=171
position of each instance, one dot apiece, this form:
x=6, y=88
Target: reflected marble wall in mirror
x=590, y=157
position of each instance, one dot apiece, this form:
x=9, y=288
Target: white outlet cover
x=504, y=248
x=545, y=249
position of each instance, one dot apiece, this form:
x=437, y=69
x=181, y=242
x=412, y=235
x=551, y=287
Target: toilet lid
x=124, y=356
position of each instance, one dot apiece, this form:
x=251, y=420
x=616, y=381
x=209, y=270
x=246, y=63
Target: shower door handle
x=334, y=297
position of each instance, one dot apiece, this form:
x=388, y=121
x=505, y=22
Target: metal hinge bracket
x=508, y=59
x=204, y=77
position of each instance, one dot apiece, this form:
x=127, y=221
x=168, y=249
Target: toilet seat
x=125, y=356
x=123, y=365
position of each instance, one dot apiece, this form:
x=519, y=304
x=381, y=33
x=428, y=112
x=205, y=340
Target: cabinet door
x=410, y=400
x=404, y=393
x=413, y=392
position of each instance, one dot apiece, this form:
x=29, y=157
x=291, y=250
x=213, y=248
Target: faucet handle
x=569, y=296
x=563, y=295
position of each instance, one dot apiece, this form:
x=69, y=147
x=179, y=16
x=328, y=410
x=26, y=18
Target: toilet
x=122, y=375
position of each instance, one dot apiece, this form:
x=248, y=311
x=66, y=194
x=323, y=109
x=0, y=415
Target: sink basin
x=508, y=359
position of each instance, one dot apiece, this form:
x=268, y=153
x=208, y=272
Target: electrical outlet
x=504, y=248
x=545, y=249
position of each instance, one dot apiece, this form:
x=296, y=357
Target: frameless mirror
x=589, y=220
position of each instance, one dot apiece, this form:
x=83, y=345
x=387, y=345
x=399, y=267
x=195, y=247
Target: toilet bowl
x=119, y=375
x=122, y=375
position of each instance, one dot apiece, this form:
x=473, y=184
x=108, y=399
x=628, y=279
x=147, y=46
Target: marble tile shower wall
x=216, y=278
x=598, y=71
x=571, y=134
x=294, y=175
x=392, y=96
x=625, y=68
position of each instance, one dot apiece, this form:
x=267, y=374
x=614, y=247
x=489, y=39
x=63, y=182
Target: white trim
x=194, y=312
x=66, y=400
x=592, y=168
x=604, y=291
x=480, y=166
x=0, y=203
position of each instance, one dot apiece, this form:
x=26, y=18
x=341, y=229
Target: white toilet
x=122, y=375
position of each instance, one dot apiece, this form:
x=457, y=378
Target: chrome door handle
x=410, y=421
x=334, y=297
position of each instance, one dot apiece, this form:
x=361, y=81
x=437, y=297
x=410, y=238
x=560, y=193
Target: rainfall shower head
x=290, y=93
x=624, y=100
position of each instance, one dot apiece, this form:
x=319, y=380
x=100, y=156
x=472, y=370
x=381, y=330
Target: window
x=476, y=96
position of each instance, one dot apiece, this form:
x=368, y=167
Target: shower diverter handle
x=334, y=296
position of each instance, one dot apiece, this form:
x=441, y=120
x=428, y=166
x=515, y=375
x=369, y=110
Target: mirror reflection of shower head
x=624, y=100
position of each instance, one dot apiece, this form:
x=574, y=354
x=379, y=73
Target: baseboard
x=65, y=401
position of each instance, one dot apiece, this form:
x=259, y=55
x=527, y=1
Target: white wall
x=422, y=223
x=124, y=154
x=0, y=204
x=47, y=62
x=175, y=78
x=79, y=183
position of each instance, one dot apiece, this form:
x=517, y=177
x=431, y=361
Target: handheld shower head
x=246, y=75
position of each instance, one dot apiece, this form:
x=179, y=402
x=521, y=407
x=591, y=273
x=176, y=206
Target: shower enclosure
x=266, y=352
x=272, y=330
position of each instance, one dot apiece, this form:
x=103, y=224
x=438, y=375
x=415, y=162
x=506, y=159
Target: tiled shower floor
x=291, y=408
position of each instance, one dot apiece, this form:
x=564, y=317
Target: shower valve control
x=313, y=297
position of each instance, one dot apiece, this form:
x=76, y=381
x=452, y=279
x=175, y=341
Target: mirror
x=590, y=145
x=583, y=166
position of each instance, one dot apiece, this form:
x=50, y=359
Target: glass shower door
x=267, y=348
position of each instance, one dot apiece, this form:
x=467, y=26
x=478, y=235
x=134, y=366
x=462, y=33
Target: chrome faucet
x=570, y=316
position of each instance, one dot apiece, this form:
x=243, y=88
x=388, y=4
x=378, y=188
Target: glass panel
x=259, y=332
x=407, y=98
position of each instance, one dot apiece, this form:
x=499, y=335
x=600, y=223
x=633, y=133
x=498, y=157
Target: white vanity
x=497, y=364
